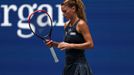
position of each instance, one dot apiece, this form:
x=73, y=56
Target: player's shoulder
x=82, y=23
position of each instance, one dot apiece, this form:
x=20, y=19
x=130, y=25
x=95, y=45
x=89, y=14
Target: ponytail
x=81, y=10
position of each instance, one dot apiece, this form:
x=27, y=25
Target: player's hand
x=49, y=43
x=64, y=45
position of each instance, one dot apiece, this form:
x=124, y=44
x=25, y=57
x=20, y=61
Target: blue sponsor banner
x=111, y=23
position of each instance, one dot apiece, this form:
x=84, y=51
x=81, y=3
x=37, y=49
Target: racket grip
x=54, y=55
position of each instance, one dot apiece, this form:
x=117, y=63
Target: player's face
x=68, y=12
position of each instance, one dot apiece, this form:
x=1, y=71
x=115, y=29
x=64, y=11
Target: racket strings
x=42, y=24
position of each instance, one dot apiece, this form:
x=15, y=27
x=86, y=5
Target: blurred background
x=111, y=24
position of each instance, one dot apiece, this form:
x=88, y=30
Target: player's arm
x=83, y=28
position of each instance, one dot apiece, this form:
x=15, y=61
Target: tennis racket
x=41, y=25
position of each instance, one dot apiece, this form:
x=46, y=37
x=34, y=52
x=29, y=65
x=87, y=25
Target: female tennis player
x=77, y=39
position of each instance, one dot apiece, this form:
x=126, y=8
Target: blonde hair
x=80, y=8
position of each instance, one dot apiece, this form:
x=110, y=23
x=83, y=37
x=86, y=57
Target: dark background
x=111, y=23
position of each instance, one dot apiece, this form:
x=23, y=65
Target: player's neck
x=72, y=21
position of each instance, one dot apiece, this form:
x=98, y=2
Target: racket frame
x=44, y=37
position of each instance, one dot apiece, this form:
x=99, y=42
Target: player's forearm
x=83, y=45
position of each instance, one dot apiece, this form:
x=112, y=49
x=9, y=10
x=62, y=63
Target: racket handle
x=54, y=55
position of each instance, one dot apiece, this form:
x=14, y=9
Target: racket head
x=40, y=23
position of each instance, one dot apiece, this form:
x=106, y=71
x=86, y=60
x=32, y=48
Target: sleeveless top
x=76, y=63
x=73, y=36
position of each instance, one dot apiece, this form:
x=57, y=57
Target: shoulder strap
x=76, y=23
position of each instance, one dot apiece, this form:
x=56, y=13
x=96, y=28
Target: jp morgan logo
x=9, y=10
